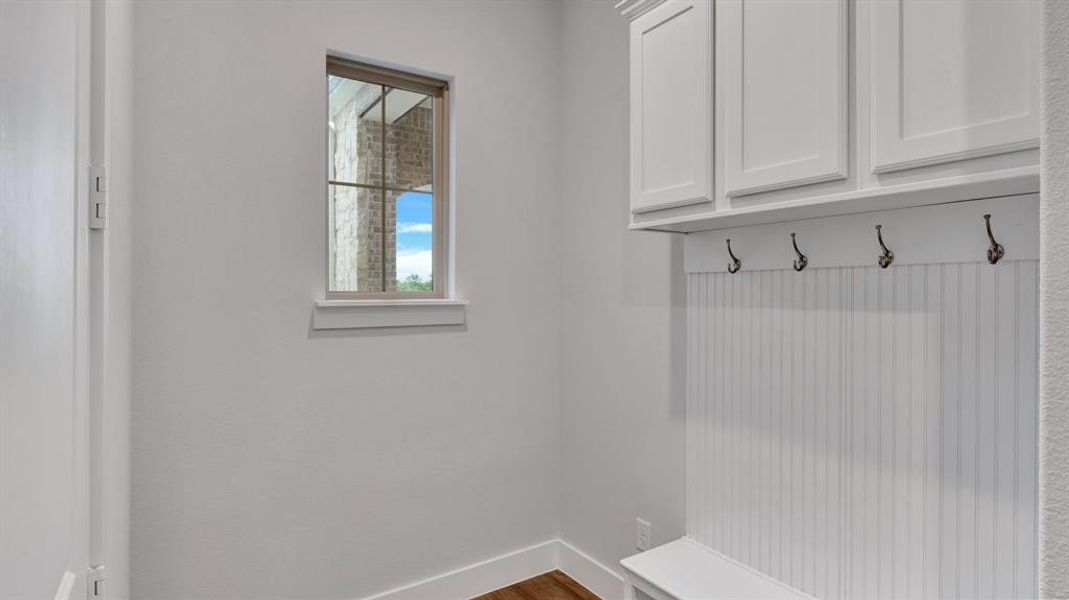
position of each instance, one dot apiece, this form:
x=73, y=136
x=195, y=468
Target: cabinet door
x=783, y=82
x=672, y=106
x=952, y=80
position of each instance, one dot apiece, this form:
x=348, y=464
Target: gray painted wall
x=1054, y=304
x=622, y=345
x=271, y=461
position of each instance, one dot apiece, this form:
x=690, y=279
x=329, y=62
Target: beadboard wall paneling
x=867, y=433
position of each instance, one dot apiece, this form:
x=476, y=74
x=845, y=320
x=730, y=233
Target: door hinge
x=98, y=197
x=95, y=581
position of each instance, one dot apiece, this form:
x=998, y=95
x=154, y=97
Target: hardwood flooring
x=553, y=585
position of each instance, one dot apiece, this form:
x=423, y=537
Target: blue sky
x=415, y=216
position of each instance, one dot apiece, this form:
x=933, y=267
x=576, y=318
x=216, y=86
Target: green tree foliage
x=414, y=283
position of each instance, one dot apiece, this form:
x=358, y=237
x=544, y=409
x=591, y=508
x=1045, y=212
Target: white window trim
x=341, y=311
x=370, y=314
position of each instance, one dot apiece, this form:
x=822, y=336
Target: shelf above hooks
x=945, y=233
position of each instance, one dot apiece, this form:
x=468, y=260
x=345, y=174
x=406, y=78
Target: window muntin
x=386, y=191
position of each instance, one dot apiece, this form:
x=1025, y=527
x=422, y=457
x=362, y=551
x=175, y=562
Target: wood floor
x=547, y=586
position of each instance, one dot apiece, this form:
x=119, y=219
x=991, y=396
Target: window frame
x=438, y=90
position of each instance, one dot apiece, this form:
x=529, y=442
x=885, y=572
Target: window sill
x=364, y=314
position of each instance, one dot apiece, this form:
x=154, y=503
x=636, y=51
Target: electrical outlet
x=643, y=535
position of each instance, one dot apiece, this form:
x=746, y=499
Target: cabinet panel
x=671, y=106
x=952, y=80
x=784, y=89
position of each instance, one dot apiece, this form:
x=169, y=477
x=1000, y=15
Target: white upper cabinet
x=952, y=80
x=758, y=111
x=783, y=84
x=672, y=106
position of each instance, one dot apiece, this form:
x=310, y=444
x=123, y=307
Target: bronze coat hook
x=802, y=260
x=886, y=257
x=735, y=265
x=995, y=252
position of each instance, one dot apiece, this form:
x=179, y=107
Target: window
x=386, y=182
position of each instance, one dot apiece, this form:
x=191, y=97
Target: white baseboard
x=594, y=576
x=501, y=571
x=481, y=577
x=66, y=586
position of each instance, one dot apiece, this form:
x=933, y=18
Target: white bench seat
x=687, y=570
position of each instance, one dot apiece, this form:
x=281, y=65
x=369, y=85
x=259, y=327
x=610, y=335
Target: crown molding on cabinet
x=632, y=9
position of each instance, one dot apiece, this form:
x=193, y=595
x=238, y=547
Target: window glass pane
x=381, y=159
x=354, y=131
x=414, y=271
x=409, y=140
x=356, y=239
